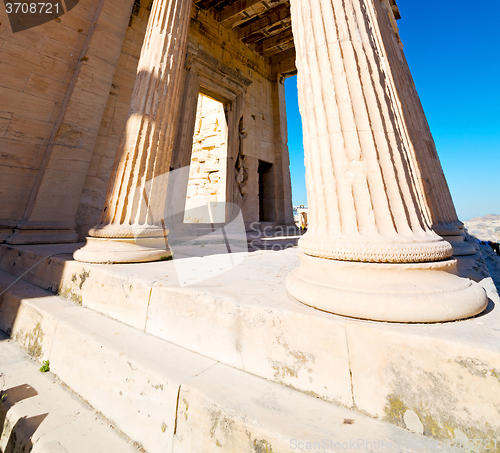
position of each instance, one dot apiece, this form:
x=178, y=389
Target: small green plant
x=45, y=366
x=3, y=397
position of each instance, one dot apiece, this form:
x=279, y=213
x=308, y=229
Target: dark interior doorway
x=267, y=198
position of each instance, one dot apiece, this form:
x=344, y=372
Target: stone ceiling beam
x=269, y=32
x=207, y=4
x=274, y=41
x=274, y=16
x=282, y=56
x=235, y=9
x=263, y=25
x=284, y=62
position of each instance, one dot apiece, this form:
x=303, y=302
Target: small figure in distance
x=303, y=220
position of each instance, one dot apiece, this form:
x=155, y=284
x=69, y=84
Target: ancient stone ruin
x=139, y=137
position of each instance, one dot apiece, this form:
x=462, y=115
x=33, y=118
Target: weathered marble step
x=446, y=374
x=40, y=415
x=168, y=398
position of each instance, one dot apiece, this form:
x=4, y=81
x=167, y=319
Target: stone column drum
x=131, y=228
x=370, y=251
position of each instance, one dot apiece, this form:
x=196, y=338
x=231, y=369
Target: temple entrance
x=208, y=167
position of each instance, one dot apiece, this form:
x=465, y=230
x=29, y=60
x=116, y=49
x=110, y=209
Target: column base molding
x=333, y=248
x=406, y=293
x=123, y=250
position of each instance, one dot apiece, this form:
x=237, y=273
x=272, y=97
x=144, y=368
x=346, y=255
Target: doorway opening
x=208, y=167
x=267, y=196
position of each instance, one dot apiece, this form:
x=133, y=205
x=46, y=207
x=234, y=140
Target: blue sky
x=453, y=49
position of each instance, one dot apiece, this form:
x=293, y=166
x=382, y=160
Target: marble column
x=131, y=227
x=370, y=251
x=441, y=210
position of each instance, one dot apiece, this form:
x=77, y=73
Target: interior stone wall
x=207, y=173
x=36, y=67
x=113, y=121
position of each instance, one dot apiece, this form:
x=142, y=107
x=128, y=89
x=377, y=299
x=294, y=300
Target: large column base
x=407, y=293
x=123, y=250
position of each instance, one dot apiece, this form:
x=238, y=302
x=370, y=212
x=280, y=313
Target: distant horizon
x=464, y=220
x=480, y=217
x=456, y=77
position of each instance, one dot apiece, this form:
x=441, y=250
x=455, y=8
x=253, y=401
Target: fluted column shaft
x=441, y=210
x=366, y=201
x=146, y=146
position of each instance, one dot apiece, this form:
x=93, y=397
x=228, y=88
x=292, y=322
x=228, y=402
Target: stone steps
x=166, y=398
x=39, y=414
x=444, y=374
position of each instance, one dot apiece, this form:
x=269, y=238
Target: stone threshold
x=164, y=397
x=445, y=376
